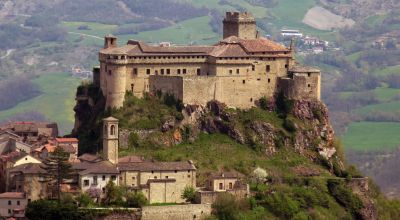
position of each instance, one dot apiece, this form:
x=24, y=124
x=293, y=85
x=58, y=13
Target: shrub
x=136, y=200
x=282, y=205
x=133, y=139
x=263, y=103
x=48, y=209
x=189, y=193
x=345, y=197
x=289, y=125
x=226, y=207
x=84, y=200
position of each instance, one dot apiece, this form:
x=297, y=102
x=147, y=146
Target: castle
x=238, y=70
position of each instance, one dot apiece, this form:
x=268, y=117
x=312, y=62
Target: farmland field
x=56, y=101
x=365, y=136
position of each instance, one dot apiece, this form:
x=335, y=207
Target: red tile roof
x=12, y=195
x=67, y=140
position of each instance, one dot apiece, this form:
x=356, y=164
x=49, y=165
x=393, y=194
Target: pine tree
x=58, y=168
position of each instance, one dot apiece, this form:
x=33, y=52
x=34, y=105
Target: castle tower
x=240, y=24
x=110, y=41
x=110, y=139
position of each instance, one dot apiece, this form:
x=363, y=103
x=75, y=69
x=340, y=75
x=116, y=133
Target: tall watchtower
x=240, y=24
x=110, y=41
x=110, y=139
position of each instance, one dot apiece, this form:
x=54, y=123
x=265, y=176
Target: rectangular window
x=162, y=71
x=230, y=185
x=9, y=211
x=168, y=71
x=253, y=68
x=268, y=68
x=9, y=202
x=244, y=81
x=113, y=177
x=86, y=182
x=94, y=180
x=103, y=177
x=148, y=71
x=221, y=186
x=132, y=85
x=286, y=66
x=103, y=190
x=135, y=71
x=18, y=202
x=230, y=71
x=178, y=71
x=166, y=177
x=198, y=72
x=184, y=71
x=237, y=71
x=269, y=80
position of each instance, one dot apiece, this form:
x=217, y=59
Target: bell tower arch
x=110, y=139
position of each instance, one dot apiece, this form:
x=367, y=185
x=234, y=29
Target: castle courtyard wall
x=176, y=212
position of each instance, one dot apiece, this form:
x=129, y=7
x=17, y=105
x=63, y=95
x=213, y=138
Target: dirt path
x=8, y=53
x=86, y=35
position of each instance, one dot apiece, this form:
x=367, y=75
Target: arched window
x=112, y=130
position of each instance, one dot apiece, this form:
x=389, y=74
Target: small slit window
x=268, y=68
x=309, y=85
x=269, y=80
x=244, y=81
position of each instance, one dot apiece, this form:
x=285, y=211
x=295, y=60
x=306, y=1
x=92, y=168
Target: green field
x=56, y=101
x=365, y=136
x=384, y=107
x=388, y=70
x=195, y=30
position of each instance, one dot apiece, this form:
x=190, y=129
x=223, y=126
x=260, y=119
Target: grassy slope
x=56, y=102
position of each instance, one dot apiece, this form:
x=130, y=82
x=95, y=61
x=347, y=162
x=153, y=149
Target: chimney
x=110, y=41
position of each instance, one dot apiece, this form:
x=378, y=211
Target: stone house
x=97, y=175
x=224, y=182
x=160, y=182
x=237, y=71
x=12, y=204
x=30, y=179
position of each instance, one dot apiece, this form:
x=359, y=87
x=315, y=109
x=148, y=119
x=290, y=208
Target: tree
x=48, y=209
x=58, y=169
x=84, y=200
x=94, y=193
x=226, y=207
x=114, y=194
x=260, y=175
x=136, y=200
x=189, y=193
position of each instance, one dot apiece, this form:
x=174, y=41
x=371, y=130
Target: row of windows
x=221, y=186
x=156, y=57
x=168, y=71
x=86, y=182
x=191, y=57
x=10, y=202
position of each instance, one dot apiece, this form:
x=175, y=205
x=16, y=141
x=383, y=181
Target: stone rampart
x=176, y=212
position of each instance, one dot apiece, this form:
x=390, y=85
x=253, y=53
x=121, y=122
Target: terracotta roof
x=89, y=158
x=225, y=175
x=30, y=168
x=12, y=195
x=130, y=159
x=157, y=166
x=81, y=165
x=67, y=140
x=103, y=167
x=229, y=47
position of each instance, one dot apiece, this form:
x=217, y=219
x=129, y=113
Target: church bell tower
x=110, y=139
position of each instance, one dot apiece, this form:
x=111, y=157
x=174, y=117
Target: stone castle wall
x=176, y=212
x=301, y=86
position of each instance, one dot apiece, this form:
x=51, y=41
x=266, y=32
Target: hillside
x=292, y=140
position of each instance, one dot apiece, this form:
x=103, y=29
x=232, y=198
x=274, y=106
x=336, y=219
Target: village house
x=230, y=182
x=12, y=204
x=29, y=178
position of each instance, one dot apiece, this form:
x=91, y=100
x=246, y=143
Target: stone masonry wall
x=176, y=212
